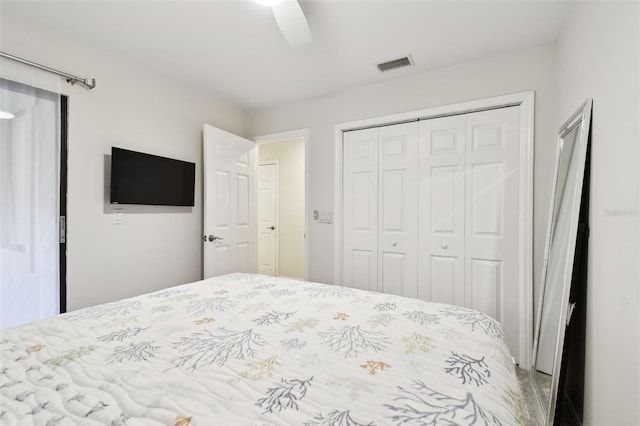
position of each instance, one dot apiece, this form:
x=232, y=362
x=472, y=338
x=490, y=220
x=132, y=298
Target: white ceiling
x=233, y=49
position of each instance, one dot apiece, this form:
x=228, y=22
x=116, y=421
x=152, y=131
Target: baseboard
x=291, y=278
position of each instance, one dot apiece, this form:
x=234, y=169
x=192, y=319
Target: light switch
x=118, y=216
x=325, y=217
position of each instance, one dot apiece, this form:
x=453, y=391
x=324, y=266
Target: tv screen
x=138, y=178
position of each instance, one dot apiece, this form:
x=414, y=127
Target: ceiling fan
x=291, y=20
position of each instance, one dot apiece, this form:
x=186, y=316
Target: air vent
x=395, y=63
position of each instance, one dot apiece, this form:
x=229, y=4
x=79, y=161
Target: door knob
x=394, y=244
x=214, y=238
x=444, y=246
x=271, y=227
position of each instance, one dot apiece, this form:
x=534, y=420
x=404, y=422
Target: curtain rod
x=88, y=83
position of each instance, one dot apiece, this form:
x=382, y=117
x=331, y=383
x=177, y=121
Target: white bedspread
x=255, y=350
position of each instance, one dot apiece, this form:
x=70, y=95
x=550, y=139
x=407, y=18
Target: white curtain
x=29, y=196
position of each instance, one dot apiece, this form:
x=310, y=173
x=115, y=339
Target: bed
x=255, y=350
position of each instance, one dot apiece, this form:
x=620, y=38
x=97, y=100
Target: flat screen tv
x=139, y=178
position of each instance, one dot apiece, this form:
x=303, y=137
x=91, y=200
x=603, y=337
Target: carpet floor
x=529, y=397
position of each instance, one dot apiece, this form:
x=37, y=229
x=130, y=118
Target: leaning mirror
x=554, y=309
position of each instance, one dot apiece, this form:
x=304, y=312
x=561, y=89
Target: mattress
x=255, y=350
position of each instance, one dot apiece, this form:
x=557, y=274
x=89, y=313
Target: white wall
x=290, y=156
x=530, y=69
x=131, y=107
x=598, y=57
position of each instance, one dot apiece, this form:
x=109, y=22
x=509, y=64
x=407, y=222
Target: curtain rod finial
x=87, y=83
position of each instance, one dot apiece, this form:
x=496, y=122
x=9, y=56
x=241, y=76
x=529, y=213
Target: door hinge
x=63, y=229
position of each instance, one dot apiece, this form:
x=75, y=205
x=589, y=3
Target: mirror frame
x=582, y=117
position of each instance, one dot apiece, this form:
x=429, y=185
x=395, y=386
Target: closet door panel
x=393, y=193
x=398, y=183
x=486, y=287
x=363, y=190
x=487, y=207
x=363, y=269
x=394, y=271
x=441, y=209
x=360, y=209
x=443, y=200
x=492, y=217
x=445, y=273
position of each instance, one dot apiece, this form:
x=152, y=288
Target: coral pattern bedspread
x=255, y=350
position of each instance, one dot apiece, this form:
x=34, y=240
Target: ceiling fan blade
x=292, y=23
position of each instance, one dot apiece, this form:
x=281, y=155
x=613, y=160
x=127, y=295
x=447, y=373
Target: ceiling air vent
x=395, y=63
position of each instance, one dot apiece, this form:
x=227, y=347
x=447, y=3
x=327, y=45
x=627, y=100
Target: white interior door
x=267, y=219
x=398, y=209
x=441, y=207
x=492, y=217
x=360, y=209
x=229, y=240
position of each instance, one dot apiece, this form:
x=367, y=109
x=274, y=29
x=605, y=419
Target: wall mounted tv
x=139, y=178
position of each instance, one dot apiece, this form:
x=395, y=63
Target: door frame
x=283, y=136
x=63, y=224
x=526, y=102
x=276, y=219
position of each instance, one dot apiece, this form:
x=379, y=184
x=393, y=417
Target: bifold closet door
x=398, y=209
x=380, y=235
x=469, y=214
x=442, y=209
x=360, y=209
x=492, y=217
